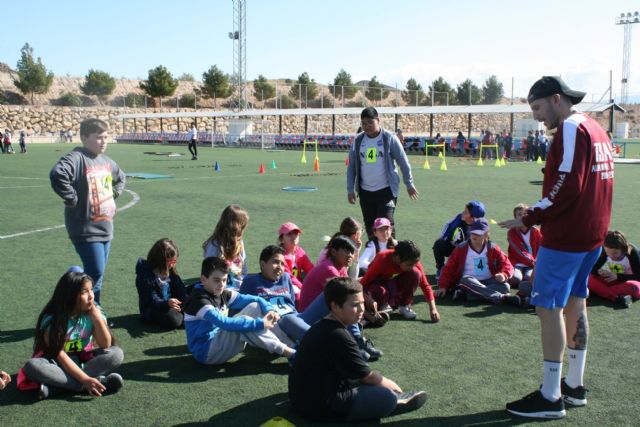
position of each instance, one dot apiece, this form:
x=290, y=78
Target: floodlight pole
x=239, y=38
x=626, y=20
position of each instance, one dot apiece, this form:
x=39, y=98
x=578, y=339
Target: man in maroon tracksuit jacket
x=574, y=211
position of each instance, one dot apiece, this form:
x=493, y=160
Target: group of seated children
x=295, y=309
x=478, y=269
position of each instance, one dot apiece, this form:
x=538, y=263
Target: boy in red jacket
x=398, y=271
x=524, y=242
x=478, y=269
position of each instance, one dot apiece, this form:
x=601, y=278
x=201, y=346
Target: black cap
x=550, y=85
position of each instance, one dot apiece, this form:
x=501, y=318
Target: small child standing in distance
x=524, y=243
x=160, y=288
x=382, y=240
x=296, y=261
x=89, y=182
x=66, y=330
x=478, y=269
x=226, y=243
x=616, y=274
x=212, y=336
x=455, y=232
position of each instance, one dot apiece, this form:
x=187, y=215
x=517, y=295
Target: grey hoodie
x=91, y=183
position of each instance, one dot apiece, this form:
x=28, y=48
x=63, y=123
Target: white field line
x=24, y=186
x=20, y=177
x=136, y=199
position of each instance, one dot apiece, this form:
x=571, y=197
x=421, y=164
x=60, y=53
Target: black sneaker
x=624, y=301
x=573, y=396
x=534, y=405
x=459, y=295
x=112, y=383
x=366, y=346
x=512, y=300
x=408, y=402
x=365, y=356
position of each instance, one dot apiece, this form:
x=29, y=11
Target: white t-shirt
x=477, y=264
x=193, y=133
x=372, y=167
x=622, y=266
x=527, y=242
x=369, y=254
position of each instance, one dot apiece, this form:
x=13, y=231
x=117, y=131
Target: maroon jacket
x=518, y=251
x=575, y=208
x=453, y=269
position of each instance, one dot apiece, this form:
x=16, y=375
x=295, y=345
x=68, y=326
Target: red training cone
x=261, y=168
x=346, y=161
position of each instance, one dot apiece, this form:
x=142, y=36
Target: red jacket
x=518, y=251
x=383, y=267
x=453, y=269
x=575, y=208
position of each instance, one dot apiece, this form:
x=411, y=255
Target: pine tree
x=262, y=89
x=462, y=93
x=342, y=84
x=414, y=95
x=215, y=84
x=98, y=83
x=492, y=90
x=304, y=88
x=160, y=83
x=376, y=90
x=32, y=75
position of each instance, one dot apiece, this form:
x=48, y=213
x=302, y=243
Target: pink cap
x=381, y=222
x=287, y=228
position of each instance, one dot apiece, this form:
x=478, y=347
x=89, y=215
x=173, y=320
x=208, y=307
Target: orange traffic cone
x=261, y=168
x=316, y=166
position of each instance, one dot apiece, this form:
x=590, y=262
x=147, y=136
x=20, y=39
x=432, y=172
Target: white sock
x=551, y=383
x=575, y=371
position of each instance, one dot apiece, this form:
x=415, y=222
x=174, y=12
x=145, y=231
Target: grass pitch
x=471, y=363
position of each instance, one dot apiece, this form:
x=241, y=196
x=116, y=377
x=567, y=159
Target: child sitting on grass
x=478, y=269
x=400, y=271
x=66, y=331
x=616, y=274
x=352, y=229
x=329, y=380
x=524, y=243
x=226, y=243
x=212, y=336
x=296, y=261
x=160, y=289
x=455, y=232
x=382, y=240
x=274, y=285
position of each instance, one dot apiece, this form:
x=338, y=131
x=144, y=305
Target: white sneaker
x=406, y=311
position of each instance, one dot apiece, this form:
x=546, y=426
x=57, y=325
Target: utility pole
x=239, y=37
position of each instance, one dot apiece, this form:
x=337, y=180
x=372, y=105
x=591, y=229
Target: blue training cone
x=217, y=167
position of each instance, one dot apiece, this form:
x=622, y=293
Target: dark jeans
x=372, y=402
x=94, y=256
x=441, y=249
x=193, y=147
x=377, y=204
x=166, y=317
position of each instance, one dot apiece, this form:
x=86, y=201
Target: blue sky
x=394, y=40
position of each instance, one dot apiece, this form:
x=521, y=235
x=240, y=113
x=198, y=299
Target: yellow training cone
x=498, y=163
x=277, y=422
x=503, y=162
x=480, y=163
x=443, y=166
x=426, y=164
x=439, y=153
x=303, y=159
x=539, y=161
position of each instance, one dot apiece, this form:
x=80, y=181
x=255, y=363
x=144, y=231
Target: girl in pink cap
x=382, y=240
x=296, y=261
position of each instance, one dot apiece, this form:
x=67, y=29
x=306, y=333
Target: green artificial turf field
x=471, y=363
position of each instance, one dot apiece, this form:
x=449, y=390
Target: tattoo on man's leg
x=580, y=338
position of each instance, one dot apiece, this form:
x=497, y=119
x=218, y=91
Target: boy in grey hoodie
x=89, y=182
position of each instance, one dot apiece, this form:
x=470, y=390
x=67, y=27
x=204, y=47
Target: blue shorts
x=560, y=274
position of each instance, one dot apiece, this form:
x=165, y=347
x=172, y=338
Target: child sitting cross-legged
x=616, y=274
x=382, y=240
x=393, y=277
x=330, y=380
x=212, y=336
x=296, y=261
x=478, y=269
